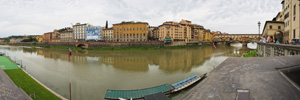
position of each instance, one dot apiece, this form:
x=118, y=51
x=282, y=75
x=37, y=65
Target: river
x=91, y=73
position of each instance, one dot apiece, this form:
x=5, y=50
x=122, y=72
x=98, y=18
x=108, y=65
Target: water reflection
x=168, y=60
x=92, y=72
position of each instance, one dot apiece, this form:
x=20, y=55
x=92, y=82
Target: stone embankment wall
x=272, y=49
x=96, y=44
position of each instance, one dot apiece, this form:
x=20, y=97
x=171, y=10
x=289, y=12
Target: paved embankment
x=259, y=75
x=13, y=77
x=8, y=89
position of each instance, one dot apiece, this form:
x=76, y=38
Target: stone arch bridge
x=231, y=38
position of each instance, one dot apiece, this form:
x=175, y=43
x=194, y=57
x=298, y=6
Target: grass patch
x=251, y=54
x=30, y=86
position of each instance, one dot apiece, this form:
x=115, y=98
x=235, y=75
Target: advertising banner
x=92, y=34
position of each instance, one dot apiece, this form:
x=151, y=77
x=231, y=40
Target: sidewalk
x=8, y=89
x=259, y=75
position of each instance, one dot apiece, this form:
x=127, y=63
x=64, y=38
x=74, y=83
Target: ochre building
x=130, y=31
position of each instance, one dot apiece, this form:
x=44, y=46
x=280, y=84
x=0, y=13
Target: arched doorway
x=279, y=36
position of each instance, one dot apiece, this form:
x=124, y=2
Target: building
x=15, y=40
x=55, y=36
x=66, y=35
x=48, y=37
x=275, y=29
x=79, y=31
x=152, y=33
x=130, y=31
x=197, y=32
x=108, y=34
x=208, y=36
x=1, y=40
x=290, y=17
x=94, y=33
x=40, y=38
x=176, y=31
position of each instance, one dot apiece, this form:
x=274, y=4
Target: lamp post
x=259, y=28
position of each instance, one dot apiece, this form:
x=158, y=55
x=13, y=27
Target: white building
x=79, y=31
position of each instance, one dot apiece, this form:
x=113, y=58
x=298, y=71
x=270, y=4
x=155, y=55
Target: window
x=294, y=9
x=130, y=29
x=137, y=28
x=270, y=26
x=279, y=27
x=294, y=35
x=133, y=29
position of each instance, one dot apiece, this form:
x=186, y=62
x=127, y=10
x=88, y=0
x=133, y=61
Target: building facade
x=152, y=33
x=275, y=29
x=108, y=34
x=79, y=31
x=130, y=31
x=55, y=36
x=197, y=32
x=290, y=15
x=48, y=37
x=176, y=31
x=15, y=40
x=66, y=35
x=208, y=36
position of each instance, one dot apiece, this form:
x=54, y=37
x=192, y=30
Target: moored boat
x=186, y=83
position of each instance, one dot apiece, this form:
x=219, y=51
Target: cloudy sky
x=35, y=17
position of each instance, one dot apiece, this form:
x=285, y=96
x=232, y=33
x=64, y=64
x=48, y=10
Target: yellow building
x=274, y=29
x=130, y=31
x=197, y=32
x=108, y=34
x=176, y=31
x=40, y=38
x=66, y=35
x=208, y=36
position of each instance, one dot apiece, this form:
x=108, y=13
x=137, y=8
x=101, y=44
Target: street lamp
x=259, y=28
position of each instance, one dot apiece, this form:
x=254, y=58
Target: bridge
x=231, y=38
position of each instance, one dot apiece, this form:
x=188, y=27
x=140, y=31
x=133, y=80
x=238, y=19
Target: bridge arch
x=82, y=45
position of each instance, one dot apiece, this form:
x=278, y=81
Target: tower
x=106, y=26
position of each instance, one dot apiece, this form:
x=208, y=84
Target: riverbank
x=23, y=80
x=117, y=48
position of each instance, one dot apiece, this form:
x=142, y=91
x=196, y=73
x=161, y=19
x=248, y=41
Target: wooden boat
x=186, y=83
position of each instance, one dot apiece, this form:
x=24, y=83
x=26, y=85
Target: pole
x=70, y=92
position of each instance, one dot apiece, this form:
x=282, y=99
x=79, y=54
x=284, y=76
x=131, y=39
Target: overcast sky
x=35, y=17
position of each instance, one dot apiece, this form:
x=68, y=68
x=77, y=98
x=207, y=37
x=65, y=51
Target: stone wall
x=271, y=49
x=96, y=44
